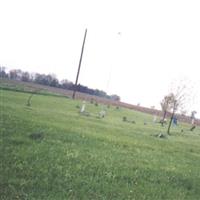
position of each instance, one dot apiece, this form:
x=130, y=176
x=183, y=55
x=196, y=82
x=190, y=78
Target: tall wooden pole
x=79, y=66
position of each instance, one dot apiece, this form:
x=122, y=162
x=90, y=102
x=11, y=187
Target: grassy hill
x=15, y=85
x=50, y=151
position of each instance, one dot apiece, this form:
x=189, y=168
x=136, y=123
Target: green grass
x=50, y=151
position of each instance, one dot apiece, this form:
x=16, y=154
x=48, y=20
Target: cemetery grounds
x=51, y=151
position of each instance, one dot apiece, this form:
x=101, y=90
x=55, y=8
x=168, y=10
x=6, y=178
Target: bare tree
x=166, y=105
x=3, y=73
x=177, y=103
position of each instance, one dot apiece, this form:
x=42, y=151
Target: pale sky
x=135, y=49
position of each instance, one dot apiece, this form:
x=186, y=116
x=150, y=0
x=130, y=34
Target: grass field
x=50, y=151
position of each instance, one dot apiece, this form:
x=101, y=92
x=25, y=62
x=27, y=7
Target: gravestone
x=102, y=113
x=83, y=107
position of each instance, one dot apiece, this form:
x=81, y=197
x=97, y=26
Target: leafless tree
x=166, y=105
x=178, y=102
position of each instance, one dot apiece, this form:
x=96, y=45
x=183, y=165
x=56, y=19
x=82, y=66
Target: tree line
x=51, y=80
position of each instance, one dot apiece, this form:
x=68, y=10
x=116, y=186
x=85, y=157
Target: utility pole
x=79, y=66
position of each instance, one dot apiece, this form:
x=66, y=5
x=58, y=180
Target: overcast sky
x=135, y=49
